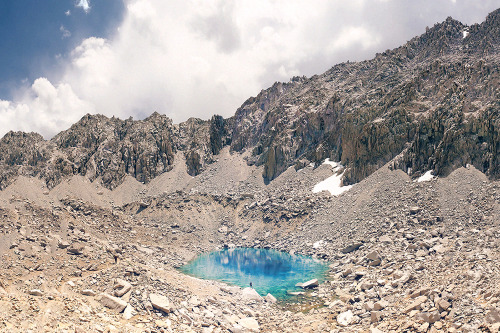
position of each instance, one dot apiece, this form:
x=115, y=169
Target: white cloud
x=85, y=5
x=198, y=57
x=350, y=36
x=67, y=13
x=65, y=32
x=44, y=108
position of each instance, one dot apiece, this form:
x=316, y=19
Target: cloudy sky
x=61, y=59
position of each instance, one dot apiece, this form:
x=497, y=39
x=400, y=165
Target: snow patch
x=465, y=33
x=425, y=177
x=332, y=184
x=318, y=244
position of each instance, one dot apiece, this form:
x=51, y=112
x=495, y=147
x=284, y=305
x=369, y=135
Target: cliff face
x=436, y=98
x=433, y=103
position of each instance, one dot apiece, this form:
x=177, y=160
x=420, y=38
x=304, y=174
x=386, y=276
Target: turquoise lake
x=269, y=271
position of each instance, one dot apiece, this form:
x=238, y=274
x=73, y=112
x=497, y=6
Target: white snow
x=426, y=177
x=332, y=184
x=331, y=163
x=318, y=244
x=465, y=33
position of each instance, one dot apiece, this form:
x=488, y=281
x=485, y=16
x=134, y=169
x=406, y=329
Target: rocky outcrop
x=21, y=153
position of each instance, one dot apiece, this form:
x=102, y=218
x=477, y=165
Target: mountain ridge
x=430, y=104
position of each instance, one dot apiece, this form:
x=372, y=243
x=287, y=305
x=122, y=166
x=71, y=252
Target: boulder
x=343, y=295
x=385, y=239
x=493, y=316
x=88, y=292
x=63, y=244
x=121, y=287
x=160, y=302
x=351, y=248
x=250, y=294
x=414, y=210
x=415, y=304
x=36, y=292
x=345, y=318
x=309, y=284
x=375, y=316
x=380, y=305
x=420, y=292
x=429, y=317
x=347, y=272
x=374, y=255
x=194, y=301
x=129, y=312
x=443, y=305
x=368, y=306
x=113, y=303
x=365, y=286
x=249, y=324
x=76, y=248
x=270, y=299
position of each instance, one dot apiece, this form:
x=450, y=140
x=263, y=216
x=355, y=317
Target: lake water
x=269, y=271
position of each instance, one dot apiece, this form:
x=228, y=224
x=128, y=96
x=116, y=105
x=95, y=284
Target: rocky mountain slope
x=95, y=221
x=433, y=102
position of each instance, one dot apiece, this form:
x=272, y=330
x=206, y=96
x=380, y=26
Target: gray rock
x=443, y=305
x=374, y=255
x=250, y=294
x=249, y=324
x=88, y=292
x=76, y=248
x=160, y=302
x=352, y=247
x=112, y=302
x=129, y=312
x=345, y=318
x=415, y=304
x=493, y=316
x=270, y=299
x=308, y=284
x=429, y=317
x=121, y=287
x=36, y=292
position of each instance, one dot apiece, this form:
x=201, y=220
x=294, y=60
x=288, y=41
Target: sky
x=61, y=59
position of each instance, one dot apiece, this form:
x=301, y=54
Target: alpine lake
x=266, y=270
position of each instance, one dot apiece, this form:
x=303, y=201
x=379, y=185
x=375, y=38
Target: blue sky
x=36, y=36
x=61, y=59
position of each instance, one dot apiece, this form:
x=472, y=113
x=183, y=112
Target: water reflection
x=268, y=270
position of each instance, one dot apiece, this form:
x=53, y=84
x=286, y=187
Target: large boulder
x=250, y=294
x=121, y=287
x=345, y=318
x=270, y=298
x=352, y=247
x=113, y=303
x=160, y=302
x=309, y=284
x=249, y=323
